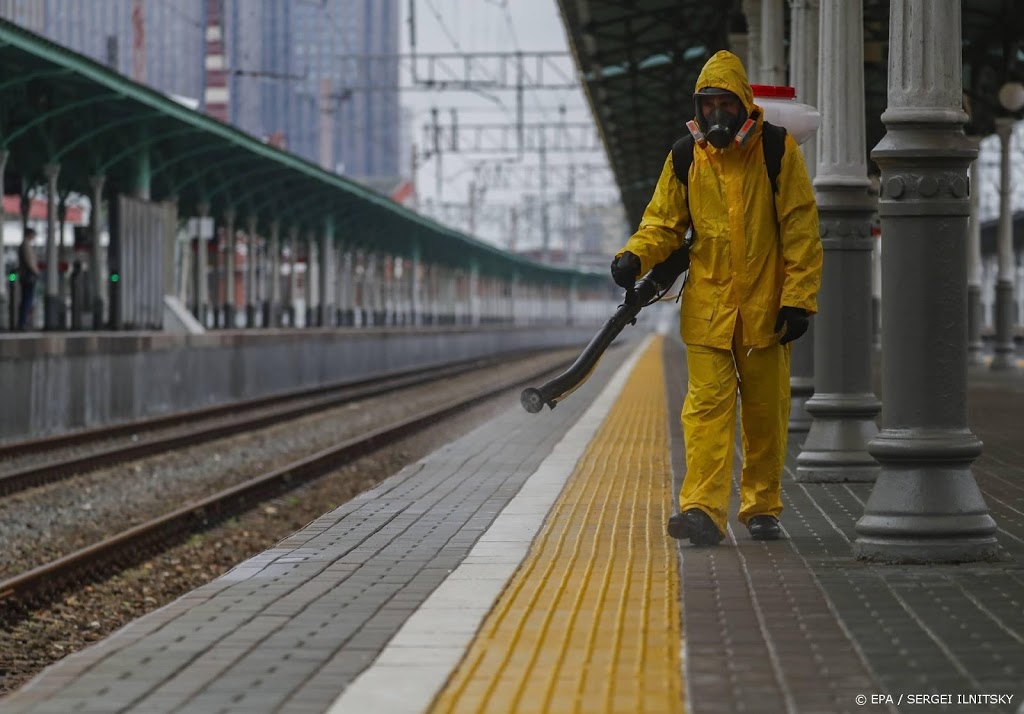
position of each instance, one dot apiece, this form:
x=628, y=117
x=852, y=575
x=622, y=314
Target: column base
x=229, y=317
x=1004, y=358
x=250, y=315
x=837, y=467
x=835, y=449
x=926, y=506
x=53, y=313
x=927, y=550
x=904, y=521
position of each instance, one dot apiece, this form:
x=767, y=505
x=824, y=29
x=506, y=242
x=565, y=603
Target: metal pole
x=96, y=250
x=251, y=253
x=202, y=266
x=229, y=268
x=974, y=315
x=272, y=315
x=545, y=227
x=310, y=243
x=52, y=318
x=416, y=299
x=9, y=291
x=1004, y=356
x=293, y=252
x=926, y=505
x=803, y=72
x=323, y=318
x=843, y=405
x=752, y=63
x=773, y=48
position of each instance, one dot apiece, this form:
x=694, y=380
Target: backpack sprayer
x=648, y=290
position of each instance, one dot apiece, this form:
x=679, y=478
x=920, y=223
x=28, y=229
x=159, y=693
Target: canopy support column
x=53, y=316
x=926, y=505
x=96, y=268
x=843, y=405
x=229, y=268
x=803, y=73
x=1005, y=354
x=974, y=270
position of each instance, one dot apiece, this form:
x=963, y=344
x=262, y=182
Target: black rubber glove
x=795, y=320
x=625, y=270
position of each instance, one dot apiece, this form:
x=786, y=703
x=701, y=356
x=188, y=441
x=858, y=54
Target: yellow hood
x=725, y=71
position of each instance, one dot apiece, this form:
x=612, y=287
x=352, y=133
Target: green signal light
x=12, y=277
x=114, y=277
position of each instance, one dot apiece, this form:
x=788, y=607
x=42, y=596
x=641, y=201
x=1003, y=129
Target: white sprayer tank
x=782, y=109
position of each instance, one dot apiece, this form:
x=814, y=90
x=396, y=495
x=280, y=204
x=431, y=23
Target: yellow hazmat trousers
x=754, y=252
x=761, y=376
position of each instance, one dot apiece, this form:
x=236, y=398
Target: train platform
x=525, y=568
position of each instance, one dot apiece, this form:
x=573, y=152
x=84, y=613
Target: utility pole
x=513, y=235
x=415, y=178
x=439, y=175
x=570, y=228
x=519, y=103
x=545, y=229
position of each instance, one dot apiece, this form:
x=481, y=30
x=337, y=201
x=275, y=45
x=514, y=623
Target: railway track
x=43, y=583
x=199, y=426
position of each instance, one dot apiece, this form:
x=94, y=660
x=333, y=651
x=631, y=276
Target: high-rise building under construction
x=281, y=70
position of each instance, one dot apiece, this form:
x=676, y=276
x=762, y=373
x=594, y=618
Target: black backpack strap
x=773, y=142
x=682, y=157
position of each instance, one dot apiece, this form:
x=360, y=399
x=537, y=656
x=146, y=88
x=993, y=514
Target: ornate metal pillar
x=926, y=505
x=843, y=405
x=803, y=75
x=1004, y=356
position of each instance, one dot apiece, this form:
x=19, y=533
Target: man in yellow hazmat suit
x=755, y=269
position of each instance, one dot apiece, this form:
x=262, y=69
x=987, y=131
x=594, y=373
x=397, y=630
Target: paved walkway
x=524, y=568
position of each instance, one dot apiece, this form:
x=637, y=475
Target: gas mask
x=719, y=126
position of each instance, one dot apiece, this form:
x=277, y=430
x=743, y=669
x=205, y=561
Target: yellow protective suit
x=753, y=253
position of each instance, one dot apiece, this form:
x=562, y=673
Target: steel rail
x=142, y=541
x=316, y=398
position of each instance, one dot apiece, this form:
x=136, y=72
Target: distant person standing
x=28, y=276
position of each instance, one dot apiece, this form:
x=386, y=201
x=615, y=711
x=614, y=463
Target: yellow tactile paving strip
x=590, y=622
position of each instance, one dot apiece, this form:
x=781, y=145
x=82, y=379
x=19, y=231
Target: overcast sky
x=443, y=26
